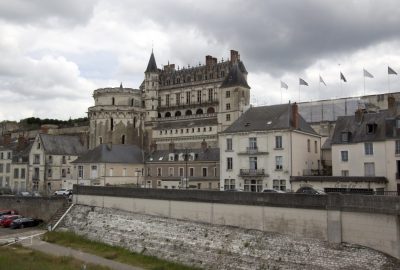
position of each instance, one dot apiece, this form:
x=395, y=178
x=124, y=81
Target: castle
x=184, y=106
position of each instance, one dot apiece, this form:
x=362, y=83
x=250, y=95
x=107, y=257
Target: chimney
x=7, y=138
x=209, y=60
x=21, y=142
x=295, y=115
x=203, y=145
x=392, y=105
x=214, y=60
x=234, y=56
x=359, y=115
x=153, y=147
x=171, y=147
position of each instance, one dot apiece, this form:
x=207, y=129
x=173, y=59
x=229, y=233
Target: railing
x=183, y=117
x=187, y=105
x=252, y=172
x=253, y=151
x=316, y=172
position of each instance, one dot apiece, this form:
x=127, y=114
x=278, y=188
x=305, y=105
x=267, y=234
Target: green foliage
x=34, y=122
x=119, y=254
x=17, y=258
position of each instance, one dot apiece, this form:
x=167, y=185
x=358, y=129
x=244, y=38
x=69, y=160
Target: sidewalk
x=57, y=250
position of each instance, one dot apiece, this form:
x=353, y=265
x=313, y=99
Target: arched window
x=159, y=115
x=123, y=139
x=100, y=140
x=199, y=111
x=188, y=112
x=178, y=113
x=210, y=110
x=112, y=101
x=134, y=122
x=132, y=102
x=167, y=114
x=111, y=124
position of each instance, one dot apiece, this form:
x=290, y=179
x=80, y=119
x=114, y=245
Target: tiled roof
x=275, y=117
x=152, y=66
x=116, y=153
x=62, y=145
x=235, y=77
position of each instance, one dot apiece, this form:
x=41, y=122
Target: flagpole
x=388, y=80
x=281, y=93
x=299, y=91
x=364, y=82
x=319, y=87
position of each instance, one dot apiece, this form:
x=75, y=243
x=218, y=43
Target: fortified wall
x=371, y=221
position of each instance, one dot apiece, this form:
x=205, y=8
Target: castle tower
x=151, y=89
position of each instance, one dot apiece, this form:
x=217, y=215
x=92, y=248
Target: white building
x=368, y=145
x=265, y=147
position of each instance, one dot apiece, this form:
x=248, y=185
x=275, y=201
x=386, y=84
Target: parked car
x=24, y=194
x=310, y=191
x=267, y=190
x=63, y=192
x=8, y=212
x=21, y=223
x=8, y=219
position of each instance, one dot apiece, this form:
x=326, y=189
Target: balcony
x=252, y=172
x=175, y=106
x=316, y=172
x=253, y=151
x=186, y=117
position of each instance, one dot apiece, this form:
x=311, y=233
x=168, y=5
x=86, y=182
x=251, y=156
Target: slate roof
x=211, y=154
x=116, y=153
x=62, y=145
x=152, y=66
x=275, y=117
x=375, y=179
x=235, y=77
x=18, y=151
x=385, y=128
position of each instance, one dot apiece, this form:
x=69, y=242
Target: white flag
x=284, y=85
x=367, y=74
x=321, y=80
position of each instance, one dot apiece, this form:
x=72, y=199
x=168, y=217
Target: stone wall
x=333, y=217
x=36, y=207
x=217, y=247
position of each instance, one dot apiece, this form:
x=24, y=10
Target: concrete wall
x=36, y=207
x=372, y=221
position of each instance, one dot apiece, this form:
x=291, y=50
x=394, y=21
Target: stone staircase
x=59, y=214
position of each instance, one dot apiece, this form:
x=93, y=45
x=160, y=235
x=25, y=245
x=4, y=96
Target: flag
x=367, y=74
x=302, y=82
x=321, y=80
x=284, y=85
x=342, y=77
x=391, y=71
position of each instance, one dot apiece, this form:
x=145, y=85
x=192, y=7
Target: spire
x=151, y=66
x=235, y=77
x=120, y=86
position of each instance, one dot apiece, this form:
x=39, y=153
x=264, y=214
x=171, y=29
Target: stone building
x=190, y=168
x=265, y=147
x=109, y=164
x=116, y=117
x=50, y=161
x=189, y=105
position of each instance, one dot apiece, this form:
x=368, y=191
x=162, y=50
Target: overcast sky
x=55, y=53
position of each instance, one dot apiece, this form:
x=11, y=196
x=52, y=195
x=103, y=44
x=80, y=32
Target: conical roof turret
x=152, y=65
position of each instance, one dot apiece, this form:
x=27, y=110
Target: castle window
x=228, y=117
x=222, y=73
x=123, y=139
x=178, y=98
x=199, y=96
x=371, y=128
x=111, y=124
x=210, y=94
x=228, y=94
x=132, y=102
x=159, y=115
x=188, y=112
x=199, y=111
x=228, y=106
x=167, y=114
x=210, y=110
x=100, y=140
x=167, y=100
x=134, y=122
x=178, y=113
x=345, y=136
x=187, y=97
x=112, y=101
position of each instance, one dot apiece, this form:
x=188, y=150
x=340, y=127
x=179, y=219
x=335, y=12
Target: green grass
x=119, y=254
x=17, y=258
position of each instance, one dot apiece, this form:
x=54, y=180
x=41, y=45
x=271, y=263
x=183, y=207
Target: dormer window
x=171, y=157
x=345, y=136
x=371, y=128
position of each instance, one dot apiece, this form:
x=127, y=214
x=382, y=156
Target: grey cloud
x=49, y=12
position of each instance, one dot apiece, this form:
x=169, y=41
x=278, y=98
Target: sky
x=55, y=53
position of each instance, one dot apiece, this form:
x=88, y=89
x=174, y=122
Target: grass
x=17, y=258
x=119, y=254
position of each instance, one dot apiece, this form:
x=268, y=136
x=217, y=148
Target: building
x=191, y=168
x=14, y=165
x=50, y=161
x=109, y=164
x=368, y=145
x=265, y=147
x=116, y=117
